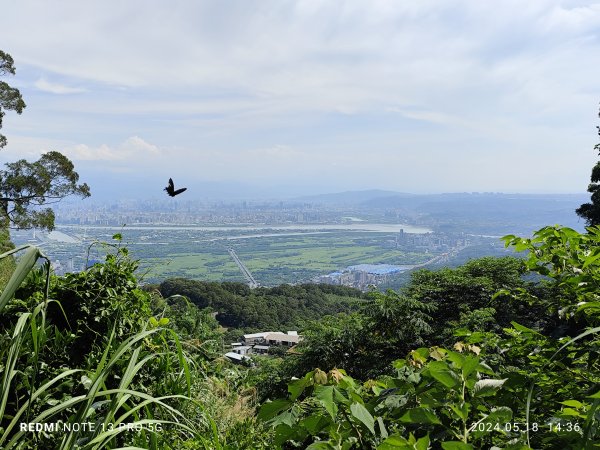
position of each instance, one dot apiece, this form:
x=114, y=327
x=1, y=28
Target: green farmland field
x=276, y=259
x=272, y=256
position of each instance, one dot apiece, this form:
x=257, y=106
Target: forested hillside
x=283, y=307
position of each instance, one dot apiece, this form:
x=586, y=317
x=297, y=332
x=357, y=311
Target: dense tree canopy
x=264, y=309
x=591, y=211
x=26, y=186
x=10, y=98
x=515, y=387
x=427, y=311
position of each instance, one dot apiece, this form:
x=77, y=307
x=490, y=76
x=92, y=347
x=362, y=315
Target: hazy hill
x=353, y=197
x=486, y=213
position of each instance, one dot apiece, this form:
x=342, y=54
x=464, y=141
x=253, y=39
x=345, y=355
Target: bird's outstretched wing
x=171, y=189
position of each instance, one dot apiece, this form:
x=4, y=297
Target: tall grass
x=114, y=411
x=7, y=265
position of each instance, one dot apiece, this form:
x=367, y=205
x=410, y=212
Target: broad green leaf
x=487, y=387
x=314, y=423
x=470, y=365
x=325, y=395
x=572, y=403
x=502, y=414
x=456, y=445
x=364, y=416
x=523, y=329
x=484, y=368
x=285, y=418
x=571, y=412
x=338, y=397
x=591, y=260
x=25, y=265
x=457, y=358
x=395, y=442
x=395, y=401
x=270, y=409
x=284, y=433
x=399, y=363
x=419, y=415
x=296, y=387
x=320, y=446
x=442, y=373
x=437, y=353
x=423, y=443
x=461, y=411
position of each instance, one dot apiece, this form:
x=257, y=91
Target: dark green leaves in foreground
x=435, y=392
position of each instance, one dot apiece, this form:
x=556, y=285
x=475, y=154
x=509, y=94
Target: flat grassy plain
x=272, y=256
x=275, y=259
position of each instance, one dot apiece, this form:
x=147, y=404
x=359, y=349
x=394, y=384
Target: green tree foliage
x=263, y=309
x=26, y=186
x=513, y=388
x=437, y=394
x=572, y=261
x=89, y=348
x=427, y=312
x=364, y=343
x=591, y=211
x=57, y=360
x=465, y=295
x=10, y=98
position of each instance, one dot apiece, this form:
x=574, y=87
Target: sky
x=300, y=97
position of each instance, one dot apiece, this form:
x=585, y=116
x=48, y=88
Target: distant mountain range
x=468, y=211
x=353, y=197
x=377, y=198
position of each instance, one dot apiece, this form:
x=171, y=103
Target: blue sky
x=310, y=96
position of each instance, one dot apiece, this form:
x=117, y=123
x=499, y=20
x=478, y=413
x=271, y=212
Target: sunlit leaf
x=363, y=415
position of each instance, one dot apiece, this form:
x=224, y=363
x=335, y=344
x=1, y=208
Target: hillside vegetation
x=283, y=307
x=499, y=352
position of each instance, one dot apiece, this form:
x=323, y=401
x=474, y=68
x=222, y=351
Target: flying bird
x=171, y=189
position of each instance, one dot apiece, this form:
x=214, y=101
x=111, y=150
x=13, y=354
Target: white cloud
x=508, y=77
x=55, y=88
x=132, y=149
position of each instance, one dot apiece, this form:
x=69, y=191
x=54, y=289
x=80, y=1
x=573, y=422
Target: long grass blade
x=26, y=263
x=11, y=361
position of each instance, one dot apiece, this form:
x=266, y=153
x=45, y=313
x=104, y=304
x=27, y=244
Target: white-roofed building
x=278, y=338
x=236, y=357
x=259, y=343
x=254, y=338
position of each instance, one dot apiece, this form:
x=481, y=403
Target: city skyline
x=308, y=97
